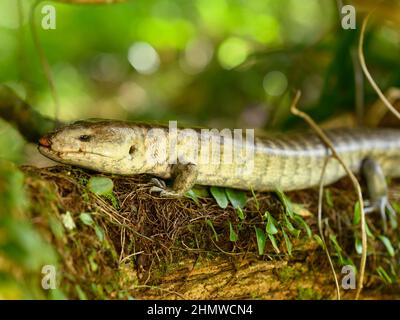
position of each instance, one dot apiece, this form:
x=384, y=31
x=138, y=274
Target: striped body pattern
x=286, y=162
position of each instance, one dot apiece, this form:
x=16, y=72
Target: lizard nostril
x=45, y=142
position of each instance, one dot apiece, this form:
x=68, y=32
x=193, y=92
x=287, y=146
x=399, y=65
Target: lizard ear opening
x=132, y=150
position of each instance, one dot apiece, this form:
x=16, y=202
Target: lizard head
x=101, y=145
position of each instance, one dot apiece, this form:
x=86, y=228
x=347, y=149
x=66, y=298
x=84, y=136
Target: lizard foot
x=167, y=193
x=378, y=192
x=161, y=188
x=383, y=206
x=158, y=183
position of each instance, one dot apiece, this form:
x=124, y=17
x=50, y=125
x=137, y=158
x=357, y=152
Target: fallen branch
x=30, y=123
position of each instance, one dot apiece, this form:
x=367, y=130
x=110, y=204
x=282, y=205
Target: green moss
x=288, y=273
x=307, y=294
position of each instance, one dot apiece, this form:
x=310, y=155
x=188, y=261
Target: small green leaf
x=255, y=199
x=304, y=224
x=358, y=245
x=383, y=275
x=357, y=213
x=296, y=233
x=271, y=228
x=300, y=210
x=328, y=197
x=210, y=224
x=237, y=198
x=348, y=262
x=93, y=265
x=99, y=232
x=286, y=203
x=388, y=245
x=288, y=243
x=289, y=225
x=192, y=195
x=291, y=229
x=86, y=218
x=201, y=191
x=220, y=196
x=273, y=241
x=338, y=249
x=260, y=235
x=368, y=231
x=110, y=196
x=396, y=207
x=56, y=227
x=100, y=185
x=319, y=241
x=232, y=234
x=197, y=192
x=81, y=294
x=68, y=221
x=240, y=213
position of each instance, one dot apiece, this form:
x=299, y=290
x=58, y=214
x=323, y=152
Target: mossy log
x=137, y=245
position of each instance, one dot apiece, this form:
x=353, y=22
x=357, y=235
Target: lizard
x=287, y=162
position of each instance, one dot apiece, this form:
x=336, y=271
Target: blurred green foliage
x=23, y=252
x=210, y=61
x=220, y=63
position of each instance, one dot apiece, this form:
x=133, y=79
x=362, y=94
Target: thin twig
x=225, y=252
x=146, y=286
x=130, y=256
x=122, y=236
x=353, y=178
x=321, y=191
x=366, y=71
x=359, y=87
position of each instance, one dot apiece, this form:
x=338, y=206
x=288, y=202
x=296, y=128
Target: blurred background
x=217, y=63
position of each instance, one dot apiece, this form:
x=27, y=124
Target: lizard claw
x=378, y=192
x=164, y=192
x=383, y=206
x=382, y=210
x=158, y=183
x=155, y=189
x=161, y=188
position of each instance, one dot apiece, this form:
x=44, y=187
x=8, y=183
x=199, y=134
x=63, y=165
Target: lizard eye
x=84, y=138
x=132, y=150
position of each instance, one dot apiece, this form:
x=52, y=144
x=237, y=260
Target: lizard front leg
x=185, y=176
x=377, y=190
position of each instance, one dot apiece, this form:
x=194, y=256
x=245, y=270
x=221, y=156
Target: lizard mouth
x=45, y=147
x=45, y=142
x=47, y=150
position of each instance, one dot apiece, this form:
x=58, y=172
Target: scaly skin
x=288, y=162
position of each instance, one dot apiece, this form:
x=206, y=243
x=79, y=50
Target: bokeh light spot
x=275, y=83
x=232, y=52
x=132, y=97
x=143, y=57
x=198, y=54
